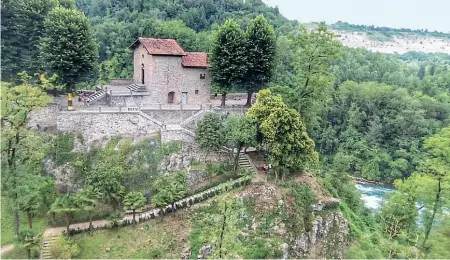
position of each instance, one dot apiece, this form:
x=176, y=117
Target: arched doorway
x=170, y=97
x=142, y=74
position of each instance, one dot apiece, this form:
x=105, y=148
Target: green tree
x=67, y=205
x=169, y=189
x=31, y=197
x=209, y=134
x=134, y=200
x=435, y=168
x=22, y=26
x=106, y=177
x=421, y=72
x=284, y=133
x=260, y=55
x=21, y=148
x=315, y=50
x=228, y=63
x=29, y=240
x=87, y=199
x=68, y=48
x=240, y=131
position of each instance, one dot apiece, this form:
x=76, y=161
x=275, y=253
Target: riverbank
x=360, y=180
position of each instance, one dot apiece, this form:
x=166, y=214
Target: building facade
x=171, y=75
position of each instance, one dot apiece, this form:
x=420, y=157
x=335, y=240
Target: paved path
x=5, y=249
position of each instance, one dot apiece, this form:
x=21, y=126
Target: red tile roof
x=195, y=59
x=159, y=46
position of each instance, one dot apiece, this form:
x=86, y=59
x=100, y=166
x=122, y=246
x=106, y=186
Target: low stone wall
x=129, y=101
x=121, y=82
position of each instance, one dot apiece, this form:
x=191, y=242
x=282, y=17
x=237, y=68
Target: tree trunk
x=222, y=230
x=249, y=99
x=433, y=215
x=134, y=216
x=29, y=253
x=16, y=222
x=30, y=220
x=224, y=96
x=67, y=214
x=90, y=221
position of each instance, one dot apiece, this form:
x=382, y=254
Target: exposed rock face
x=329, y=238
x=196, y=177
x=175, y=162
x=65, y=176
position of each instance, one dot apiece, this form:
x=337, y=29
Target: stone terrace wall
x=97, y=126
x=45, y=118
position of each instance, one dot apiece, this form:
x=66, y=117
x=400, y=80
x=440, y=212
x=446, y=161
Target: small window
x=202, y=76
x=196, y=92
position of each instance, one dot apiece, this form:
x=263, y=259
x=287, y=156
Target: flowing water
x=373, y=195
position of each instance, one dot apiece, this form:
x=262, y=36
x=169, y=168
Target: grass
x=7, y=227
x=157, y=238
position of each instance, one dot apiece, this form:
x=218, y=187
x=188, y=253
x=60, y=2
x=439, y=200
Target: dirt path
x=5, y=249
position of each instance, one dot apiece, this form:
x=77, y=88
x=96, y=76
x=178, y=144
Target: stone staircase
x=192, y=118
x=246, y=163
x=154, y=120
x=46, y=245
x=97, y=95
x=137, y=88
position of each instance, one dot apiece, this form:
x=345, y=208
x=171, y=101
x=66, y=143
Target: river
x=373, y=195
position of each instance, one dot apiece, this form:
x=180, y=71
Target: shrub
x=64, y=248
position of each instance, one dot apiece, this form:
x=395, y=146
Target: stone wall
x=171, y=116
x=121, y=82
x=44, y=119
x=198, y=89
x=130, y=101
x=97, y=126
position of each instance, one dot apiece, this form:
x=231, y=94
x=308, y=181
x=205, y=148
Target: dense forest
x=381, y=117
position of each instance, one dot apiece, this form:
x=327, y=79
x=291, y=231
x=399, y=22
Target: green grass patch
x=157, y=238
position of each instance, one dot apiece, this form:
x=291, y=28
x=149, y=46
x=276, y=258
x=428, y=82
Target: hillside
x=376, y=41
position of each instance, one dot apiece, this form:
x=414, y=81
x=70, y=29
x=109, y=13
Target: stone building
x=171, y=75
x=163, y=74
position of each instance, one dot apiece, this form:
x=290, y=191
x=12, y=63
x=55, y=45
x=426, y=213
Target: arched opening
x=142, y=74
x=170, y=97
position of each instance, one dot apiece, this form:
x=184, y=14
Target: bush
x=63, y=149
x=64, y=248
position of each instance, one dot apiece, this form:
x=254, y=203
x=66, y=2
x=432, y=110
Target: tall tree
x=22, y=26
x=209, y=134
x=134, y=200
x=87, y=199
x=31, y=197
x=68, y=48
x=315, y=52
x=228, y=57
x=437, y=168
x=20, y=146
x=260, y=55
x=421, y=72
x=284, y=133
